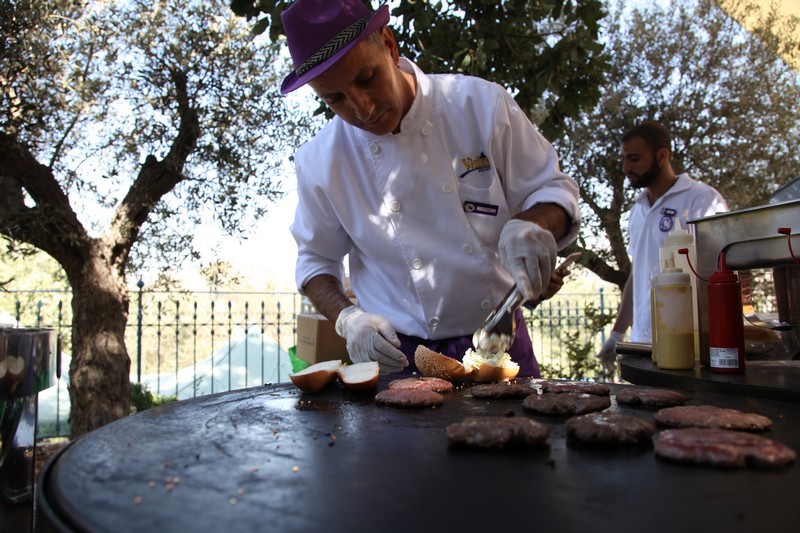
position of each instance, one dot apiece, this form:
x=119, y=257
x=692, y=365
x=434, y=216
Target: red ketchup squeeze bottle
x=725, y=326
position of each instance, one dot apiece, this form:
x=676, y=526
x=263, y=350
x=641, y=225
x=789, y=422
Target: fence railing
x=187, y=344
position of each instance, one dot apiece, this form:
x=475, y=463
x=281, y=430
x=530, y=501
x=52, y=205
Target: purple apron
x=521, y=350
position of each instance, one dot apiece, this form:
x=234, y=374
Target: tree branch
x=50, y=224
x=156, y=178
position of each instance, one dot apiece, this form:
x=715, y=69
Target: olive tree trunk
x=100, y=367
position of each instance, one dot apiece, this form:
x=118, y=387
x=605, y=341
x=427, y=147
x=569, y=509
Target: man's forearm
x=327, y=295
x=625, y=312
x=550, y=216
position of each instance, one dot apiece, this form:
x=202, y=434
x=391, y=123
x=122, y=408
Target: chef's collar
x=418, y=108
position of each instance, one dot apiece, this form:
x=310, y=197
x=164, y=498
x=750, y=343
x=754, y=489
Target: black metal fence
x=187, y=344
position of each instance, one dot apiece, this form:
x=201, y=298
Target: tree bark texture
x=99, y=388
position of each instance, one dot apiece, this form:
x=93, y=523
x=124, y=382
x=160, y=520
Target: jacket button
x=468, y=249
x=447, y=188
x=486, y=304
x=433, y=322
x=374, y=148
x=394, y=206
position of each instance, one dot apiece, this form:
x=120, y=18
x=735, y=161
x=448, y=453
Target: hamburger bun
x=360, y=376
x=433, y=364
x=488, y=367
x=486, y=373
x=314, y=377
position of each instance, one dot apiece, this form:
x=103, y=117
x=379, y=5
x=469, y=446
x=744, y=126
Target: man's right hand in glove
x=528, y=252
x=370, y=337
x=608, y=353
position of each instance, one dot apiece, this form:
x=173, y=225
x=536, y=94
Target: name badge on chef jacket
x=480, y=209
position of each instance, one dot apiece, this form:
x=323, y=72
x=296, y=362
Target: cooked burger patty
x=650, y=397
x=409, y=398
x=501, y=390
x=565, y=403
x=434, y=384
x=497, y=432
x=609, y=428
x=709, y=416
x=721, y=447
x=585, y=387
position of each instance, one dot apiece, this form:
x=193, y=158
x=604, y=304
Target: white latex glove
x=528, y=252
x=608, y=353
x=370, y=338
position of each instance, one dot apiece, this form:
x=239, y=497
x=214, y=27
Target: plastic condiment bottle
x=725, y=326
x=673, y=326
x=653, y=339
x=664, y=261
x=675, y=240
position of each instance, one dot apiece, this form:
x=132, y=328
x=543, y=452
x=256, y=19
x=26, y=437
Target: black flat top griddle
x=274, y=459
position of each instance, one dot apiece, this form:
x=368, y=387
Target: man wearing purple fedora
x=437, y=188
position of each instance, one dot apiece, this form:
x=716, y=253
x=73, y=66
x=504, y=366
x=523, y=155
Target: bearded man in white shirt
x=646, y=161
x=437, y=188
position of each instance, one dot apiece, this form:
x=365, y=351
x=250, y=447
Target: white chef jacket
x=647, y=227
x=420, y=212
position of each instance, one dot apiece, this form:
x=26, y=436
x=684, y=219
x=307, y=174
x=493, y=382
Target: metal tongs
x=498, y=331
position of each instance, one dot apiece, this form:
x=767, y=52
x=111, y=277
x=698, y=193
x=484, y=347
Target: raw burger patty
x=650, y=397
x=609, y=428
x=501, y=390
x=709, y=416
x=721, y=447
x=434, y=384
x=497, y=432
x=409, y=398
x=585, y=387
x=565, y=403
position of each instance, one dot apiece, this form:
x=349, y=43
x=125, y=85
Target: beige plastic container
x=674, y=323
x=681, y=238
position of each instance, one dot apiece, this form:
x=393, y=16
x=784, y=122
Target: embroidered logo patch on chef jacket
x=480, y=209
x=471, y=164
x=667, y=221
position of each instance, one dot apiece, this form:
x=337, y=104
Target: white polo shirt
x=647, y=227
x=420, y=212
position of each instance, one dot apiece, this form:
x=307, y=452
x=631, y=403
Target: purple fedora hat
x=320, y=32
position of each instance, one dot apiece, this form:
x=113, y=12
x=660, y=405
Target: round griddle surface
x=274, y=459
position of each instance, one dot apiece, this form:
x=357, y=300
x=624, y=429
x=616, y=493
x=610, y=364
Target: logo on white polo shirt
x=667, y=221
x=480, y=163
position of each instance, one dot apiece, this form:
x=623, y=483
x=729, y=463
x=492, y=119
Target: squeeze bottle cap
x=665, y=258
x=673, y=276
x=678, y=236
x=723, y=275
